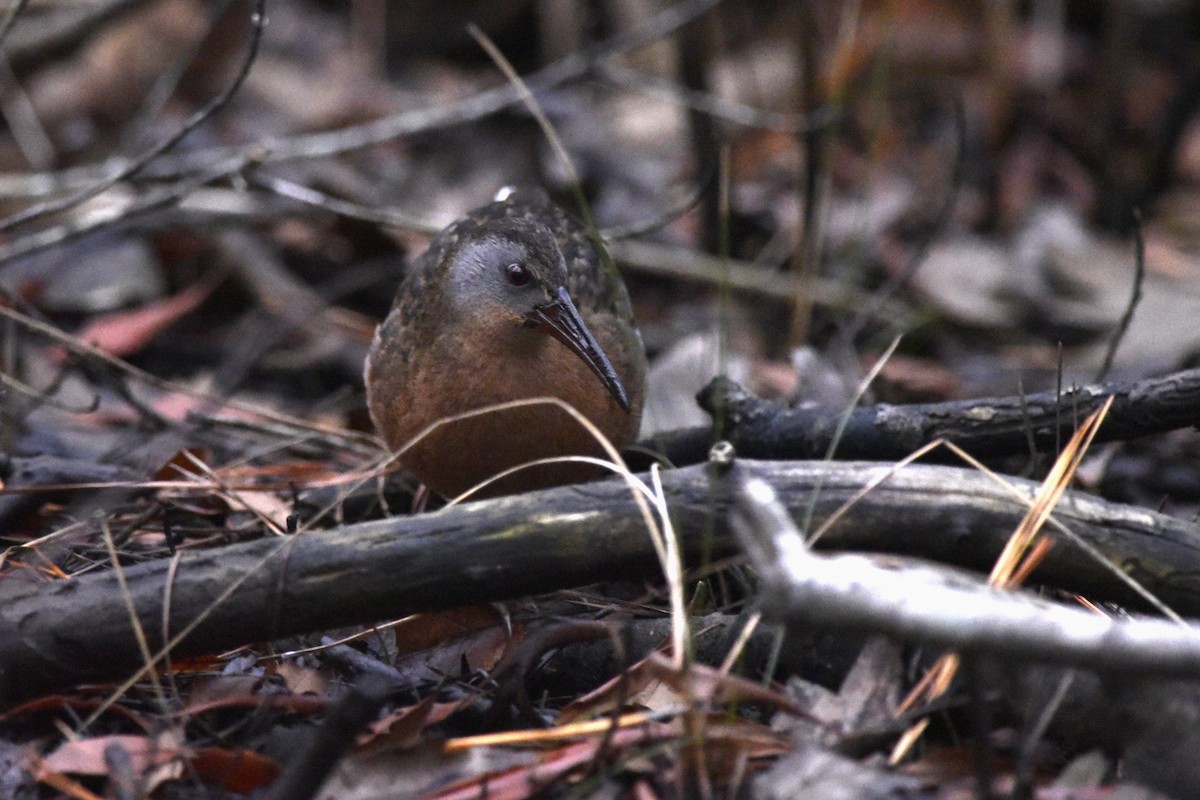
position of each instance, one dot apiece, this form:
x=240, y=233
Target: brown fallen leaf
x=123, y=333
x=154, y=760
x=236, y=770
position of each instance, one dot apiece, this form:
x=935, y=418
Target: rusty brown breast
x=515, y=300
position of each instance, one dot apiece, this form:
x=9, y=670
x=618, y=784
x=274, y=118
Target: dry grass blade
x=78, y=347
x=528, y=99
x=1086, y=547
x=658, y=522
x=56, y=780
x=662, y=533
x=569, y=731
x=1010, y=565
x=136, y=623
x=844, y=420
x=1050, y=492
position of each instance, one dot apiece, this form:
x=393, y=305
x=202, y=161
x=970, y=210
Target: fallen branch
x=932, y=605
x=988, y=427
x=57, y=633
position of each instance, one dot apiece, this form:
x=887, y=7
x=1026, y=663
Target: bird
x=515, y=300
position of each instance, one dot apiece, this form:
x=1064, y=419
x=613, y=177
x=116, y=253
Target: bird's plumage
x=460, y=337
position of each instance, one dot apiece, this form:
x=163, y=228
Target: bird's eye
x=517, y=274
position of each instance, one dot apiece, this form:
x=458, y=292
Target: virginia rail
x=515, y=300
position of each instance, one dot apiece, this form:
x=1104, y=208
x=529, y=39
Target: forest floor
x=889, y=225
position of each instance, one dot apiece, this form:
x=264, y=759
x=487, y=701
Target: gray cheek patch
x=476, y=277
x=476, y=267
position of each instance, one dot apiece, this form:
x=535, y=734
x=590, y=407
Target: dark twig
x=988, y=427
x=122, y=778
x=137, y=165
x=1033, y=451
x=1139, y=277
x=310, y=766
x=102, y=373
x=74, y=229
x=669, y=214
x=678, y=263
x=22, y=118
x=981, y=726
x=1176, y=119
x=574, y=65
x=357, y=137
x=398, y=219
x=1023, y=775
x=1058, y=395
x=348, y=440
x=167, y=83
x=871, y=309
x=696, y=47
x=343, y=208
x=45, y=396
x=817, y=144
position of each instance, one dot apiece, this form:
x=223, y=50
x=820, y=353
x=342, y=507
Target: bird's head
x=513, y=269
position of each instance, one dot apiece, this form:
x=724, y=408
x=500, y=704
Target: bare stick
x=512, y=547
x=917, y=602
x=987, y=427
x=74, y=229
x=711, y=104
x=1135, y=297
x=357, y=137
x=336, y=205
x=919, y=253
x=132, y=168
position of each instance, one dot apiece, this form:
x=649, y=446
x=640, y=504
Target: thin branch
x=430, y=561
x=680, y=263
x=166, y=84
x=44, y=397
x=357, y=137
x=919, y=253
x=729, y=110
x=672, y=212
x=76, y=228
x=1135, y=296
x=23, y=120
x=60, y=33
x=137, y=165
x=918, y=602
x=361, y=443
x=398, y=219
x=987, y=427
x=336, y=205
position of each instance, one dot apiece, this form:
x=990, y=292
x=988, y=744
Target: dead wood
x=58, y=633
x=989, y=427
x=933, y=604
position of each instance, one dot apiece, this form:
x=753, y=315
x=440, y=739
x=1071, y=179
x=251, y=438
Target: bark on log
x=987, y=427
x=56, y=634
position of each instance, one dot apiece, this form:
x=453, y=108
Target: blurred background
x=206, y=207
x=786, y=187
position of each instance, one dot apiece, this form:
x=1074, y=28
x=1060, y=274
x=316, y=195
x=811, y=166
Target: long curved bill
x=560, y=318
